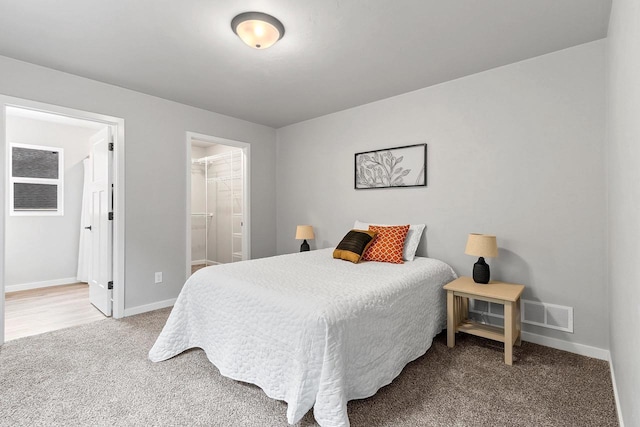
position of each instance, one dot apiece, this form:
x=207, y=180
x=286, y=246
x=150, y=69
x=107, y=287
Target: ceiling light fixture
x=257, y=29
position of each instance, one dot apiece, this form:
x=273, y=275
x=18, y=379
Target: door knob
x=88, y=228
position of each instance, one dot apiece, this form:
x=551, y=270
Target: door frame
x=117, y=125
x=246, y=191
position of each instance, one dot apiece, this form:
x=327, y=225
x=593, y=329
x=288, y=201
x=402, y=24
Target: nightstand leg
x=508, y=332
x=518, y=323
x=451, y=319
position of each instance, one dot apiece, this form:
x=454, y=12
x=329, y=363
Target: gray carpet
x=98, y=375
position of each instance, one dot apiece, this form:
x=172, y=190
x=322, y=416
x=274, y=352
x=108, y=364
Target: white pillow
x=411, y=242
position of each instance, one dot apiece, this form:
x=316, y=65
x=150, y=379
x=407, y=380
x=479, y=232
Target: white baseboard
x=132, y=311
x=572, y=347
x=583, y=350
x=37, y=285
x=615, y=394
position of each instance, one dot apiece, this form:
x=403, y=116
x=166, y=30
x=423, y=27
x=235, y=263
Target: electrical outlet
x=158, y=276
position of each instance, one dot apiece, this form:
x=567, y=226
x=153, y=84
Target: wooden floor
x=197, y=267
x=41, y=310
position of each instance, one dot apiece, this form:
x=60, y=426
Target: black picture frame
x=382, y=169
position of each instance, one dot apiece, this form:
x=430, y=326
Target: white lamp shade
x=482, y=245
x=304, y=232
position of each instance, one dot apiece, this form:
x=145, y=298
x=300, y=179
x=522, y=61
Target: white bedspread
x=308, y=329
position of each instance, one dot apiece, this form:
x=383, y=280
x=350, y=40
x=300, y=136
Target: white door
x=101, y=270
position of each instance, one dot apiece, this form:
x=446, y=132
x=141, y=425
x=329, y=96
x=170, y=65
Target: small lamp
x=304, y=232
x=481, y=245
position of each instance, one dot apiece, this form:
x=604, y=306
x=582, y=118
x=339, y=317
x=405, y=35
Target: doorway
x=62, y=178
x=218, y=200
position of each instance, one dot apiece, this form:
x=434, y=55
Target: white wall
x=155, y=170
x=517, y=151
x=49, y=243
x=624, y=203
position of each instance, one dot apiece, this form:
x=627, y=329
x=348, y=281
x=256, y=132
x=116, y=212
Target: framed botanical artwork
x=392, y=167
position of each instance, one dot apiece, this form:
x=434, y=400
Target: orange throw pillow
x=388, y=244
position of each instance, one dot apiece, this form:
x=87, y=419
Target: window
x=36, y=180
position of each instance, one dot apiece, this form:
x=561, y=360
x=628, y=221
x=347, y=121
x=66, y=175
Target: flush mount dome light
x=257, y=29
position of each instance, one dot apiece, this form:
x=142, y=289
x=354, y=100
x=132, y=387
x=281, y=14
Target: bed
x=308, y=329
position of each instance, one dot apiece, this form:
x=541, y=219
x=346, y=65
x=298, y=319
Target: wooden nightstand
x=458, y=293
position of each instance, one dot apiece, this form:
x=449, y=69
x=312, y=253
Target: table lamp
x=304, y=232
x=481, y=245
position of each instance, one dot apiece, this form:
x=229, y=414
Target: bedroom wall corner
x=515, y=151
x=623, y=185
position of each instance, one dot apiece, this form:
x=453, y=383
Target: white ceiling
x=335, y=54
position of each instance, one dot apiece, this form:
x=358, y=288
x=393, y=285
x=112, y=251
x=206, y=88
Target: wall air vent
x=543, y=314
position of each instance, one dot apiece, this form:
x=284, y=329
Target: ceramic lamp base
x=481, y=273
x=304, y=247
